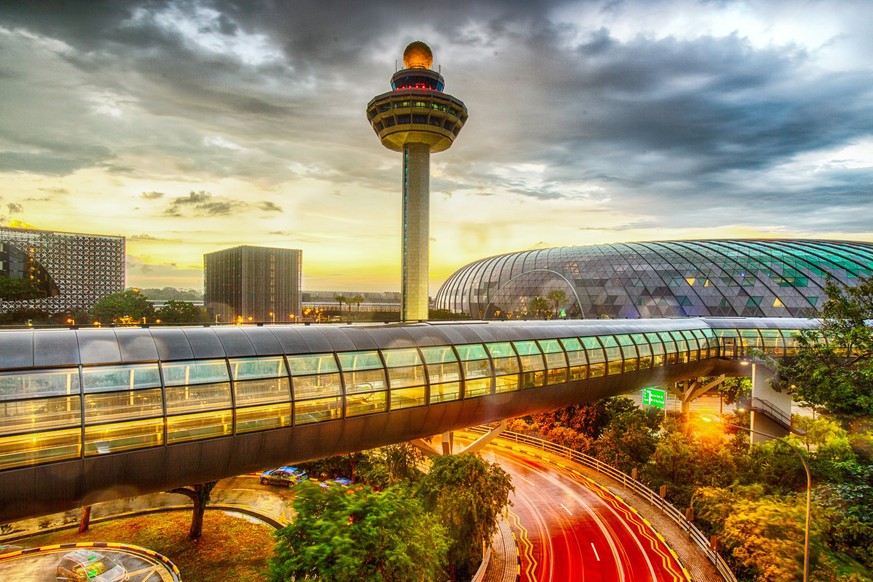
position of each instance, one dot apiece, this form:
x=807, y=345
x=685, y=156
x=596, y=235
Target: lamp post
x=797, y=452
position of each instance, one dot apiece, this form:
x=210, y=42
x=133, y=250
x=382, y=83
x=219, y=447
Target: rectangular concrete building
x=253, y=284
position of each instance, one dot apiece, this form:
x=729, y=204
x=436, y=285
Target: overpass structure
x=88, y=415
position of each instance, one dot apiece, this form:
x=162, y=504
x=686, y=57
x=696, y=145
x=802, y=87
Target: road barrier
x=626, y=480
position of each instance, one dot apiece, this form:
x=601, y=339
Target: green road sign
x=654, y=397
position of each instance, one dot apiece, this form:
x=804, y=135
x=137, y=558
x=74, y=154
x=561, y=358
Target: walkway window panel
x=407, y=378
x=443, y=372
x=255, y=418
x=113, y=378
x=126, y=405
x=693, y=345
x=301, y=365
x=317, y=386
x=772, y=342
x=204, y=425
x=533, y=367
x=681, y=347
x=123, y=436
x=556, y=360
x=317, y=410
x=751, y=340
x=43, y=447
x=729, y=343
x=364, y=381
x=365, y=403
x=791, y=342
x=670, y=349
x=613, y=354
x=262, y=391
x=596, y=357
x=643, y=349
x=194, y=372
x=252, y=368
x=658, y=353
x=183, y=399
x=40, y=414
x=628, y=352
x=476, y=369
x=506, y=366
x=23, y=385
x=707, y=342
x=115, y=393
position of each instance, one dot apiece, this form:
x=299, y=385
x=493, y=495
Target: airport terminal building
x=693, y=278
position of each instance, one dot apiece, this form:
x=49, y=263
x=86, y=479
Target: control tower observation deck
x=416, y=118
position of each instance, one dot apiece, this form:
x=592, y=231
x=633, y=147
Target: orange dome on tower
x=417, y=56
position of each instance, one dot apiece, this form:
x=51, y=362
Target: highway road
x=570, y=528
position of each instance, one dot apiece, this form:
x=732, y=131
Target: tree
x=199, y=495
x=129, y=306
x=18, y=289
x=391, y=465
x=538, y=307
x=342, y=299
x=837, y=375
x=557, y=296
x=356, y=301
x=467, y=494
x=182, y=312
x=343, y=534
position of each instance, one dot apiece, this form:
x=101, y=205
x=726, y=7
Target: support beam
x=448, y=442
x=688, y=390
x=425, y=447
x=481, y=442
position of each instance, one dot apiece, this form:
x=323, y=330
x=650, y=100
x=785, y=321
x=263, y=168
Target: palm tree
x=557, y=296
x=341, y=299
x=356, y=300
x=538, y=306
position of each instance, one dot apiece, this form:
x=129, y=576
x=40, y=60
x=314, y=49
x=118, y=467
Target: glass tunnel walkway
x=94, y=414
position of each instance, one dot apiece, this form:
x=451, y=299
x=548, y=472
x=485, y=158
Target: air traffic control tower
x=416, y=118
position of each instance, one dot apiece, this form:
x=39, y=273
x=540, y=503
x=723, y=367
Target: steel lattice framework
x=732, y=278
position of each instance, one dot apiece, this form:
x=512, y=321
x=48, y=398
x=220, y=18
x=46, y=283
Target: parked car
x=284, y=476
x=85, y=565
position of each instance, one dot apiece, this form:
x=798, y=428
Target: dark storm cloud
x=671, y=127
x=202, y=204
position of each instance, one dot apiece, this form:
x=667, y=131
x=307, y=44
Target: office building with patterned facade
x=694, y=278
x=253, y=284
x=69, y=271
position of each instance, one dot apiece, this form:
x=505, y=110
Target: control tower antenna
x=416, y=118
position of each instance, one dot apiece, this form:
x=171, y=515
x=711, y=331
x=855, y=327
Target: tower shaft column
x=416, y=243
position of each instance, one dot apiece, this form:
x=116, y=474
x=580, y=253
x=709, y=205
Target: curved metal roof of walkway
x=95, y=414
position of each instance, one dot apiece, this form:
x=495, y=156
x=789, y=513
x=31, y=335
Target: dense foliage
x=343, y=534
x=123, y=307
x=837, y=374
x=461, y=496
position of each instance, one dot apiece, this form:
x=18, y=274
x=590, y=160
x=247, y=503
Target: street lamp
x=796, y=451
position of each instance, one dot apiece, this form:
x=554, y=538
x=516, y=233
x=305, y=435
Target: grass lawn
x=231, y=548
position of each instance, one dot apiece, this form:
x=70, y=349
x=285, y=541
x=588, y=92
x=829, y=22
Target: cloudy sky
x=191, y=126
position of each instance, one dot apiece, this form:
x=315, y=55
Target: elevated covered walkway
x=90, y=415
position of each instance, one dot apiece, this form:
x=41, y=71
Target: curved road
x=570, y=528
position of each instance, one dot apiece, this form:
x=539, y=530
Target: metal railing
x=771, y=411
x=697, y=536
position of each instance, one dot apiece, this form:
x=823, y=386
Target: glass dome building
x=694, y=278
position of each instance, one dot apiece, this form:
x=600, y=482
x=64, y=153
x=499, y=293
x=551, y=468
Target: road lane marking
x=596, y=555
